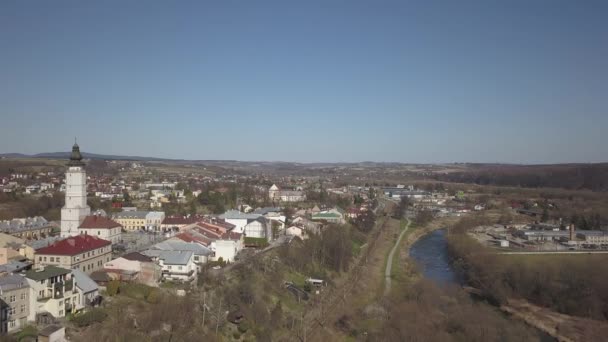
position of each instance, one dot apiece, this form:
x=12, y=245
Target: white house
x=258, y=228
x=53, y=290
x=239, y=219
x=296, y=231
x=102, y=227
x=175, y=265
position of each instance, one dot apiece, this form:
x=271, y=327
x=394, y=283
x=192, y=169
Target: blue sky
x=429, y=81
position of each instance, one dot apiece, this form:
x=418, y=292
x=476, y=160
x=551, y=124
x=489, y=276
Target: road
x=556, y=252
x=389, y=261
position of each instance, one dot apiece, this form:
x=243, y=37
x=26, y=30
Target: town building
x=154, y=220
x=593, y=237
x=14, y=302
x=277, y=195
x=75, y=208
x=131, y=220
x=52, y=290
x=89, y=290
x=14, y=248
x=52, y=333
x=36, y=227
x=174, y=223
x=201, y=253
x=134, y=267
x=102, y=227
x=85, y=252
x=175, y=265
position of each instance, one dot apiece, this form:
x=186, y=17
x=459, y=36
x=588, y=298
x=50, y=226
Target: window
x=11, y=323
x=60, y=303
x=11, y=310
x=39, y=258
x=12, y=298
x=44, y=258
x=22, y=308
x=60, y=312
x=179, y=268
x=52, y=259
x=169, y=267
x=23, y=295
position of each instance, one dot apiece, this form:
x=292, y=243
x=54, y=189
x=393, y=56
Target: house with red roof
x=102, y=227
x=85, y=252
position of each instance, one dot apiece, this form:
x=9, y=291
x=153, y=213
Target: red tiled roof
x=74, y=245
x=188, y=237
x=98, y=222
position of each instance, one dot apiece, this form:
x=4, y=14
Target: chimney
x=571, y=232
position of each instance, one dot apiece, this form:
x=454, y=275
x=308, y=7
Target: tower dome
x=76, y=157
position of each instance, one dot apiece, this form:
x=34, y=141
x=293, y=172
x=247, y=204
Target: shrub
x=153, y=296
x=95, y=315
x=243, y=327
x=113, y=288
x=135, y=291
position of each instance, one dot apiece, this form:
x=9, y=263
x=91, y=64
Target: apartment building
x=14, y=302
x=85, y=252
x=52, y=290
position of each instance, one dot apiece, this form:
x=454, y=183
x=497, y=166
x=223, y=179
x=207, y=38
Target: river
x=431, y=253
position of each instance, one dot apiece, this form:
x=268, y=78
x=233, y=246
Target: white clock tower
x=75, y=208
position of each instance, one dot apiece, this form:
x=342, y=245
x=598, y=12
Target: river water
x=431, y=254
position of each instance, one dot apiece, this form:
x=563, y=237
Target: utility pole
x=204, y=306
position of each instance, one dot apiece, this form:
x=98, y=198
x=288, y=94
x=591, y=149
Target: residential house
x=87, y=287
x=102, y=227
x=52, y=333
x=329, y=217
x=14, y=302
x=251, y=225
x=52, y=290
x=225, y=244
x=175, y=265
x=296, y=231
x=134, y=267
x=201, y=253
x=14, y=248
x=85, y=252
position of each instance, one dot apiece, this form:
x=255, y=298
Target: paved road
x=389, y=261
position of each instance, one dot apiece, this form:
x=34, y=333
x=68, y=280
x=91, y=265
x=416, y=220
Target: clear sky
x=450, y=81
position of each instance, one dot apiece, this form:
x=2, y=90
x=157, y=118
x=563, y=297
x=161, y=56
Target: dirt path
x=389, y=261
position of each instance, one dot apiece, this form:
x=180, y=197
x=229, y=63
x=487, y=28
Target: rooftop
x=237, y=215
x=136, y=256
x=84, y=282
x=47, y=272
x=131, y=215
x=98, y=222
x=11, y=282
x=74, y=245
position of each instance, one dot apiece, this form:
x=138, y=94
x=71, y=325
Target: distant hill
x=86, y=155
